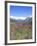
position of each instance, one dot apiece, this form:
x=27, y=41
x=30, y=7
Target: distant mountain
x=28, y=20
x=13, y=20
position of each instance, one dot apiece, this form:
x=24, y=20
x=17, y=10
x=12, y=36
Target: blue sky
x=20, y=11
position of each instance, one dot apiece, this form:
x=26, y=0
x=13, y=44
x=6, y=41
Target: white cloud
x=13, y=17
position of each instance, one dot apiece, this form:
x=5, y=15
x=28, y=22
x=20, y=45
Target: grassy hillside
x=19, y=31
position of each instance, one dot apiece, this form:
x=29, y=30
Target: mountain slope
x=28, y=20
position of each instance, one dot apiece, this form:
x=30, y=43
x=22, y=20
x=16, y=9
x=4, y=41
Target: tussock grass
x=20, y=32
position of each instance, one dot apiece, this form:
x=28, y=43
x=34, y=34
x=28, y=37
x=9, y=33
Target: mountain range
x=28, y=20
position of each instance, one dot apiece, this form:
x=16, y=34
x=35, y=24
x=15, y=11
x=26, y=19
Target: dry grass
x=20, y=32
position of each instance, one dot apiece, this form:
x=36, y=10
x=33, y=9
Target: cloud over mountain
x=22, y=18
